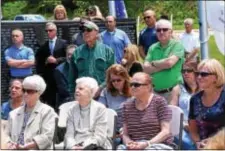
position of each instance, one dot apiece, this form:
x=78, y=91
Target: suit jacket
x=98, y=126
x=47, y=70
x=40, y=126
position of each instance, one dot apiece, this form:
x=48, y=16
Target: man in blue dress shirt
x=115, y=38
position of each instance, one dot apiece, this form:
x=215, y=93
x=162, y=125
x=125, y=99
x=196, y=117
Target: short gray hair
x=89, y=82
x=51, y=24
x=189, y=21
x=163, y=22
x=34, y=82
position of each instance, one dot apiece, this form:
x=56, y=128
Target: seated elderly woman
x=146, y=117
x=87, y=119
x=32, y=125
x=207, y=108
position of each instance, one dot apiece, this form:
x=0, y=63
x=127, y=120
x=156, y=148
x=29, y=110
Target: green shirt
x=90, y=62
x=166, y=78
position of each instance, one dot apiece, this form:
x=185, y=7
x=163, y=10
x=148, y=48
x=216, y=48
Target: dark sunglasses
x=29, y=91
x=135, y=84
x=162, y=29
x=48, y=30
x=187, y=70
x=147, y=17
x=116, y=80
x=87, y=30
x=204, y=74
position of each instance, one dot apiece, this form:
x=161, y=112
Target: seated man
x=16, y=98
x=19, y=57
x=146, y=117
x=61, y=77
x=87, y=119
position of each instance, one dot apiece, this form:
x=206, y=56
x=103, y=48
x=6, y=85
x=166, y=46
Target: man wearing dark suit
x=49, y=55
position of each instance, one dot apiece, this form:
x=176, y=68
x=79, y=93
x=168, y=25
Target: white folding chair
x=111, y=124
x=176, y=124
x=63, y=114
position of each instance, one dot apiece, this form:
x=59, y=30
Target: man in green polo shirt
x=164, y=61
x=91, y=59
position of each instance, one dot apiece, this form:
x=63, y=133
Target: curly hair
x=118, y=70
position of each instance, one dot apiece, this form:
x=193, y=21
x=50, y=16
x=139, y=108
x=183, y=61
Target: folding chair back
x=63, y=113
x=176, y=124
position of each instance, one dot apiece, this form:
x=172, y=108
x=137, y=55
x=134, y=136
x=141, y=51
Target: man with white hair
x=164, y=61
x=87, y=119
x=48, y=56
x=190, y=41
x=91, y=59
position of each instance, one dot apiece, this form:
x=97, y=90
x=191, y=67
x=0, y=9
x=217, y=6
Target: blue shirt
x=147, y=37
x=117, y=40
x=6, y=108
x=21, y=53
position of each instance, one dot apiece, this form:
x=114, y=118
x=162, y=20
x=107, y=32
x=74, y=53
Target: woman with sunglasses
x=32, y=125
x=207, y=108
x=182, y=97
x=146, y=117
x=117, y=90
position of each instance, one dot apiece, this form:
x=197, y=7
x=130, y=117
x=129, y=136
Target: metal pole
x=112, y=10
x=203, y=29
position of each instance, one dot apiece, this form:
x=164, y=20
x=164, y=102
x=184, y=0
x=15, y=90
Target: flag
x=120, y=8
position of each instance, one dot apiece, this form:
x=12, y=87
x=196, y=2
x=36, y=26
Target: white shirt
x=190, y=41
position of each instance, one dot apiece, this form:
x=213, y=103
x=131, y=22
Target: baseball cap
x=91, y=25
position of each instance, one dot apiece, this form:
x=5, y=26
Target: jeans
x=187, y=143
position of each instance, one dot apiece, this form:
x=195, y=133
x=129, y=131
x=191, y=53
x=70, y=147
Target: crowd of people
x=105, y=70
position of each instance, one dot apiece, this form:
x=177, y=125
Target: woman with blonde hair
x=131, y=60
x=94, y=13
x=207, y=107
x=60, y=13
x=217, y=141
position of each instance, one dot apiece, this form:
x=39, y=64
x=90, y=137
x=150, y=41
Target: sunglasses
x=48, y=30
x=116, y=80
x=162, y=29
x=29, y=91
x=187, y=70
x=136, y=85
x=147, y=17
x=87, y=30
x=204, y=74
x=15, y=35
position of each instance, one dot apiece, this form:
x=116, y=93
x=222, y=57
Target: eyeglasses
x=49, y=30
x=187, y=70
x=147, y=17
x=162, y=29
x=29, y=91
x=204, y=74
x=87, y=30
x=136, y=85
x=116, y=80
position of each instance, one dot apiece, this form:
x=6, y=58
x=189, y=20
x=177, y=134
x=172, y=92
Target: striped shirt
x=144, y=125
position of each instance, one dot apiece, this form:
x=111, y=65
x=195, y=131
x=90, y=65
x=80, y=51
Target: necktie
x=51, y=44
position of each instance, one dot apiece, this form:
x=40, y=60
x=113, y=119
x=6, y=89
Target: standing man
x=49, y=55
x=19, y=57
x=115, y=38
x=190, y=41
x=91, y=59
x=147, y=36
x=164, y=61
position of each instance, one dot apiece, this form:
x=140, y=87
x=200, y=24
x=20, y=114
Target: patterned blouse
x=209, y=119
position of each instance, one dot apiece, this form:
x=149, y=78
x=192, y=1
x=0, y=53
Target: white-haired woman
x=32, y=125
x=87, y=119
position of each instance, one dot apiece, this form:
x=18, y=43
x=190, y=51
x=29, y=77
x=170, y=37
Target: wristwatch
x=152, y=63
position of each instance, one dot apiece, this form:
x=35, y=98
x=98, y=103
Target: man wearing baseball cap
x=91, y=59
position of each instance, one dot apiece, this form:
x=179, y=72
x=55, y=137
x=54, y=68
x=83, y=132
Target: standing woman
x=60, y=13
x=207, y=108
x=32, y=125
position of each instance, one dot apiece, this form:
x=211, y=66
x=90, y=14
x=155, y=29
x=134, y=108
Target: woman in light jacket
x=87, y=119
x=32, y=125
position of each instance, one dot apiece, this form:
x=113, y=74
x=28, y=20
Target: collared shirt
x=190, y=41
x=173, y=75
x=147, y=37
x=22, y=53
x=117, y=40
x=6, y=108
x=52, y=42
